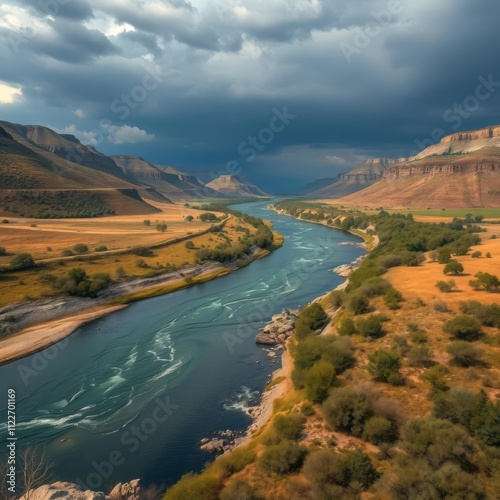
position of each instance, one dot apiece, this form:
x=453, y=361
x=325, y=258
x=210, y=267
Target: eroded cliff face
x=430, y=170
x=464, y=142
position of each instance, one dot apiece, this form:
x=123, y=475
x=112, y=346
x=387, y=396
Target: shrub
x=392, y=298
x=358, y=303
x=288, y=427
x=378, y=430
x=238, y=490
x=208, y=217
x=453, y=267
x=161, y=227
x=194, y=486
x=337, y=297
x=488, y=315
x=374, y=287
x=281, y=458
x=318, y=380
x=463, y=327
x=420, y=356
x=465, y=354
x=435, y=376
x=347, y=326
x=189, y=245
x=101, y=248
x=189, y=218
x=347, y=410
x=120, y=273
x=384, y=366
x=5, y=221
x=22, y=261
x=237, y=460
x=327, y=467
x=80, y=248
x=141, y=263
x=371, y=326
x=147, y=222
x=446, y=286
x=66, y=253
x=476, y=255
x=3, y=251
x=391, y=261
x=141, y=251
x=441, y=306
x=310, y=319
x=488, y=255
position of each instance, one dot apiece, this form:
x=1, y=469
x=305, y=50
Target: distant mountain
x=364, y=175
x=35, y=181
x=317, y=185
x=68, y=147
x=235, y=186
x=167, y=180
x=462, y=171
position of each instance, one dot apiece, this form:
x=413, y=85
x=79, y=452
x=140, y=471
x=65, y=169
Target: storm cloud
x=195, y=83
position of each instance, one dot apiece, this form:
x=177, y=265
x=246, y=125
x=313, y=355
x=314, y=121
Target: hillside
x=235, y=186
x=36, y=182
x=364, y=175
x=164, y=179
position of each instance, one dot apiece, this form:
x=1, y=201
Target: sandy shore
x=40, y=337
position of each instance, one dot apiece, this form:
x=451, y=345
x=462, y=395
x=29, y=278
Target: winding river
x=131, y=395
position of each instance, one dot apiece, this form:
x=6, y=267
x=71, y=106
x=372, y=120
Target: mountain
x=364, y=175
x=37, y=182
x=68, y=147
x=235, y=186
x=462, y=171
x=167, y=180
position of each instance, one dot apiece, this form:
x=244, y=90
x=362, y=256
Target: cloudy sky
x=280, y=91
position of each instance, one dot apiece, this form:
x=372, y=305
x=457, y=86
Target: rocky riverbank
x=279, y=329
x=346, y=269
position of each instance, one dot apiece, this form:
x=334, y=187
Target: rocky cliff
x=235, y=186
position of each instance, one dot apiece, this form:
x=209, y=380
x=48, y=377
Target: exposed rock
x=272, y=355
x=214, y=446
x=126, y=491
x=265, y=339
x=66, y=491
x=346, y=269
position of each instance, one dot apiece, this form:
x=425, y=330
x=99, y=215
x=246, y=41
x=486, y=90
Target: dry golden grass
x=124, y=232
x=116, y=232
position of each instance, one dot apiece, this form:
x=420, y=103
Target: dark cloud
x=222, y=71
x=77, y=10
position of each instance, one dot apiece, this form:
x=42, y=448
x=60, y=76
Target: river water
x=131, y=395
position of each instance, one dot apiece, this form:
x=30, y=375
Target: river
x=131, y=395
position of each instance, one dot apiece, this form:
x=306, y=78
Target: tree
x=189, y=218
x=77, y=274
x=453, y=267
x=476, y=255
x=487, y=281
x=189, y=245
x=384, y=366
x=22, y=261
x=392, y=298
x=435, y=376
x=379, y=429
x=318, y=380
x=359, y=304
x=147, y=222
x=463, y=327
x=444, y=256
x=161, y=227
x=3, y=251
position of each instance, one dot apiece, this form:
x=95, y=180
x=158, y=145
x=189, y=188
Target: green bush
x=392, y=298
x=465, y=353
x=347, y=326
x=162, y=227
x=208, y=217
x=288, y=427
x=379, y=430
x=282, y=458
x=435, y=376
x=22, y=261
x=372, y=326
x=310, y=319
x=444, y=256
x=463, y=327
x=453, y=267
x=3, y=251
x=141, y=251
x=384, y=367
x=347, y=410
x=66, y=253
x=236, y=460
x=194, y=486
x=488, y=315
x=80, y=248
x=101, y=248
x=318, y=380
x=446, y=286
x=419, y=356
x=476, y=255
x=488, y=281
x=189, y=245
x=358, y=303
